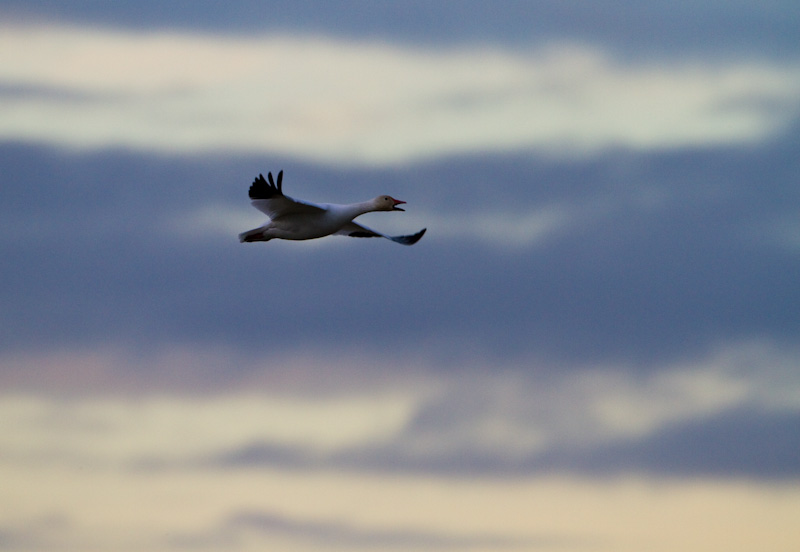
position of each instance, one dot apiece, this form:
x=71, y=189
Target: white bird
x=291, y=219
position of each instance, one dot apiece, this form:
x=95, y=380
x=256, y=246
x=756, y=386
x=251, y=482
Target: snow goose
x=291, y=219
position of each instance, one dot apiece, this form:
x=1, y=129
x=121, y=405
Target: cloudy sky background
x=594, y=346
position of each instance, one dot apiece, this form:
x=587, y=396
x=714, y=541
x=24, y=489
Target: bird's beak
x=396, y=203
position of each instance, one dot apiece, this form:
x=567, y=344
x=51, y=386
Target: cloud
x=296, y=510
x=629, y=256
x=365, y=103
x=169, y=430
x=345, y=411
x=635, y=28
x=337, y=534
x=497, y=229
x=595, y=341
x=740, y=443
x=500, y=419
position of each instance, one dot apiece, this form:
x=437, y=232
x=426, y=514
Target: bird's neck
x=355, y=209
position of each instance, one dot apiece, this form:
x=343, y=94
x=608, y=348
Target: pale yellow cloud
x=79, y=508
x=345, y=102
x=172, y=429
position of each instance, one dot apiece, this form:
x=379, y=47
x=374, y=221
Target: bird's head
x=387, y=203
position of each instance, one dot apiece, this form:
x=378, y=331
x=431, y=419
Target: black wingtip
x=260, y=189
x=409, y=240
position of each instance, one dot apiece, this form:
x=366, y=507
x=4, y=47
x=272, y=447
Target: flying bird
x=291, y=219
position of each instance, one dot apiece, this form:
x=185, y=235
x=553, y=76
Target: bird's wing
x=269, y=199
x=355, y=230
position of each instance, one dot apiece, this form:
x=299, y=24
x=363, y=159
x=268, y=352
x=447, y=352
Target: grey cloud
x=10, y=92
x=739, y=442
x=338, y=534
x=744, y=443
x=664, y=268
x=44, y=532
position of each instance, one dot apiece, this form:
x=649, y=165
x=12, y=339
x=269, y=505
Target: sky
x=593, y=347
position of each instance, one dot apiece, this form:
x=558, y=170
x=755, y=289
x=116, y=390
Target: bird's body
x=291, y=219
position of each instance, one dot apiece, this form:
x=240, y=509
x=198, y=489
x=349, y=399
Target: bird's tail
x=254, y=235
